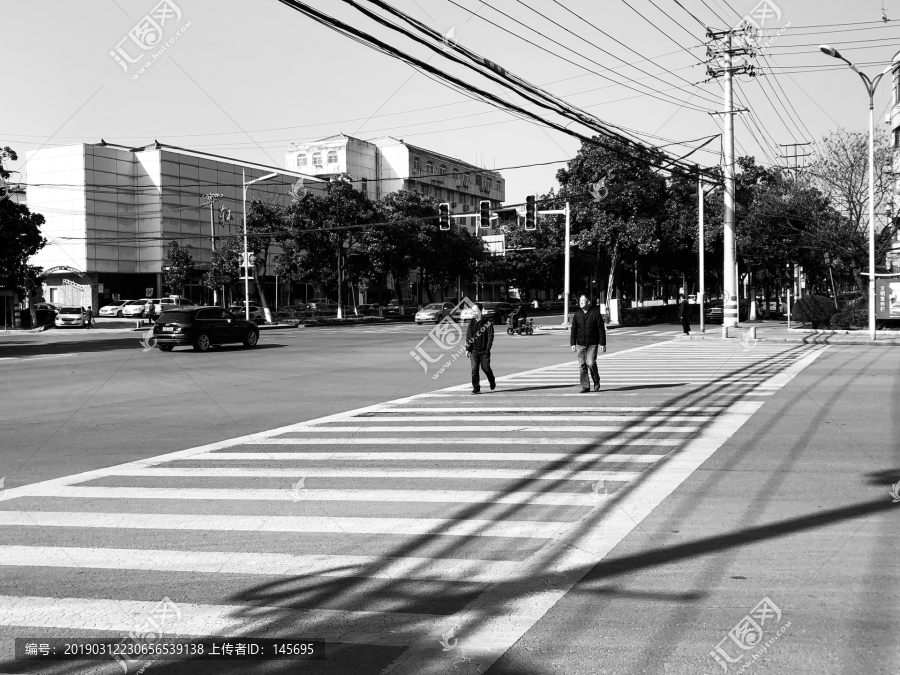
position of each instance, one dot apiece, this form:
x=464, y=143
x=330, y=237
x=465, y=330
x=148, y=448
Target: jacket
x=588, y=328
x=684, y=310
x=480, y=336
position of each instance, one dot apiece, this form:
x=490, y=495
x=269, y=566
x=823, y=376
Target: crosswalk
x=412, y=328
x=442, y=525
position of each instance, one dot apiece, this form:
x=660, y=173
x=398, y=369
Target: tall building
x=389, y=164
x=110, y=211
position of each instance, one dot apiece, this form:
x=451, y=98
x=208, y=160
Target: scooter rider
x=521, y=315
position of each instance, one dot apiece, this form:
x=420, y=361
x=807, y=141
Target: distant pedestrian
x=684, y=314
x=479, y=340
x=536, y=304
x=148, y=310
x=587, y=339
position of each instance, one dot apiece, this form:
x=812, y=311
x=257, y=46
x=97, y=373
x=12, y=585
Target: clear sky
x=244, y=79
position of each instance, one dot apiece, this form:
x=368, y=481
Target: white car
x=136, y=308
x=435, y=312
x=169, y=304
x=73, y=317
x=113, y=309
x=256, y=312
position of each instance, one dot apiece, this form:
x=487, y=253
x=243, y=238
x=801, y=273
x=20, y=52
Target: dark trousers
x=587, y=359
x=481, y=360
x=686, y=325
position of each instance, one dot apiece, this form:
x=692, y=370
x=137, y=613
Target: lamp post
x=871, y=85
x=247, y=257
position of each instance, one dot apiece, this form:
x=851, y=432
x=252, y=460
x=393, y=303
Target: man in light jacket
x=479, y=340
x=588, y=337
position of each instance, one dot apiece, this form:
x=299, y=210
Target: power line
x=559, y=56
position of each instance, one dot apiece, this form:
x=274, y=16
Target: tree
x=179, y=268
x=840, y=173
x=20, y=239
x=265, y=222
x=224, y=268
x=625, y=223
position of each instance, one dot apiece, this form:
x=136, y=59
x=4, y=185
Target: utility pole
x=211, y=198
x=702, y=282
x=567, y=213
x=723, y=51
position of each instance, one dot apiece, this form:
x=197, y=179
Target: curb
x=880, y=343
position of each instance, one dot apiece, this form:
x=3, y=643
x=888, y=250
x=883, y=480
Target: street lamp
x=246, y=257
x=871, y=85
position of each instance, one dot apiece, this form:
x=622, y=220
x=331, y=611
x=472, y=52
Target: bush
x=638, y=316
x=855, y=317
x=813, y=309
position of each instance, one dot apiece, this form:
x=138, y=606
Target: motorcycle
x=525, y=329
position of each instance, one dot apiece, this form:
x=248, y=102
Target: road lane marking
x=326, y=495
x=474, y=456
x=354, y=472
x=470, y=527
x=122, y=616
x=246, y=562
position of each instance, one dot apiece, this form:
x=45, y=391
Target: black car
x=203, y=328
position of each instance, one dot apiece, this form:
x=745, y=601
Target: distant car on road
x=715, y=314
x=495, y=311
x=256, y=312
x=434, y=313
x=73, y=317
x=114, y=308
x=203, y=328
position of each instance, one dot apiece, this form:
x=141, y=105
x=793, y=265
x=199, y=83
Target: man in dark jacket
x=588, y=337
x=684, y=314
x=479, y=339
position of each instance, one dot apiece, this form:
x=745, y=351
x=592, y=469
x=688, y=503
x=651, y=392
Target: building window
x=417, y=164
x=364, y=186
x=897, y=137
x=499, y=184
x=429, y=168
x=332, y=156
x=488, y=183
x=443, y=169
x=455, y=174
x=478, y=179
x=317, y=159
x=301, y=160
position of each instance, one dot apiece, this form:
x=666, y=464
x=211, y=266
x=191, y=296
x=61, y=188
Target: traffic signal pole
x=702, y=281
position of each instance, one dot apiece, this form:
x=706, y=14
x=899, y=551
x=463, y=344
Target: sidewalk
x=777, y=331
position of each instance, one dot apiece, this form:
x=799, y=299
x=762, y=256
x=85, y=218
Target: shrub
x=813, y=309
x=855, y=317
x=637, y=316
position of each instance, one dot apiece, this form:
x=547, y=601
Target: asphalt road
x=323, y=487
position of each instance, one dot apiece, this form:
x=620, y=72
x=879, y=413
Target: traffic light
x=444, y=214
x=530, y=213
x=484, y=214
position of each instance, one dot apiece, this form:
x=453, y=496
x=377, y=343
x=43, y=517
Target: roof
x=453, y=160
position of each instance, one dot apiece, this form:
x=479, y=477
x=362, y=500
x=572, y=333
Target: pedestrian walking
x=479, y=340
x=148, y=310
x=587, y=339
x=684, y=314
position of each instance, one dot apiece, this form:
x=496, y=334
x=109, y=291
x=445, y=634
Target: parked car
x=73, y=317
x=323, y=303
x=394, y=306
x=256, y=312
x=168, y=304
x=203, y=328
x=370, y=309
x=495, y=311
x=114, y=308
x=45, y=307
x=434, y=313
x=136, y=308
